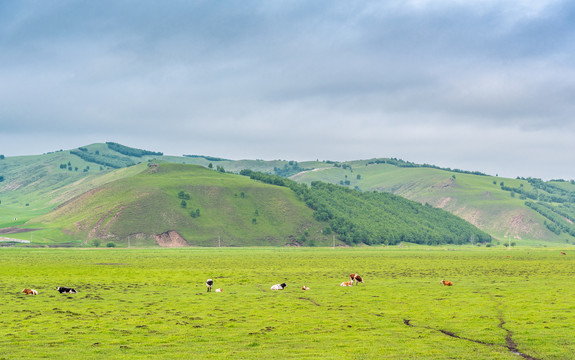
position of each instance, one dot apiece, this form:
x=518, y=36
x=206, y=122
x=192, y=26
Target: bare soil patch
x=14, y=230
x=171, y=239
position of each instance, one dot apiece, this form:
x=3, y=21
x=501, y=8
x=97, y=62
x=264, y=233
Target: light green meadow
x=152, y=303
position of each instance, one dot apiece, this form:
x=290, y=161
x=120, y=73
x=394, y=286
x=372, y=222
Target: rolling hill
x=496, y=205
x=520, y=210
x=179, y=205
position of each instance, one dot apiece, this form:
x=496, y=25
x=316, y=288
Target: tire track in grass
x=511, y=345
x=311, y=300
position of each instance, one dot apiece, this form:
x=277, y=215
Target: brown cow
x=446, y=283
x=29, y=291
x=563, y=253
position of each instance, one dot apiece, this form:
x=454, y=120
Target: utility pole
x=219, y=241
x=334, y=242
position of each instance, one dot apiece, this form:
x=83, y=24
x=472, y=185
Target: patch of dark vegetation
x=263, y=331
x=115, y=162
x=129, y=151
x=63, y=245
x=209, y=158
x=409, y=164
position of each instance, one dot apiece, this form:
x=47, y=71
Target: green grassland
x=152, y=303
x=234, y=211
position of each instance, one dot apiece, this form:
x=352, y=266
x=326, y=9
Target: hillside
x=378, y=217
x=180, y=205
x=496, y=205
x=523, y=210
x=33, y=185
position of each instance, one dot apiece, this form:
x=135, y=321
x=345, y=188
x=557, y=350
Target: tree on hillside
x=184, y=195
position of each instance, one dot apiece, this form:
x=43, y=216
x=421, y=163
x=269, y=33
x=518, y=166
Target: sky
x=483, y=85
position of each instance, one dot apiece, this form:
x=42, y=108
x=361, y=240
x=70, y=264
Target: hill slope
x=174, y=204
x=528, y=210
x=495, y=205
x=379, y=217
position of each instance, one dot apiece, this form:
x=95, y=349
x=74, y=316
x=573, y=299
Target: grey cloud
x=300, y=79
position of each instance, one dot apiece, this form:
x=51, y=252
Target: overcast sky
x=486, y=85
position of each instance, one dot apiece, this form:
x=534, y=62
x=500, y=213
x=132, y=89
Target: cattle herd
x=354, y=279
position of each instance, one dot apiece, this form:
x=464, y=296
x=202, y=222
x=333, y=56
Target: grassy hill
x=378, y=217
x=496, y=205
x=168, y=203
x=33, y=185
x=523, y=210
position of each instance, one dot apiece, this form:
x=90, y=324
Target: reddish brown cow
x=29, y=291
x=446, y=283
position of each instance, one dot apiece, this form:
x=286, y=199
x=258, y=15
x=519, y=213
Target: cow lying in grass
x=355, y=278
x=66, y=290
x=346, y=283
x=304, y=288
x=446, y=283
x=279, y=286
x=563, y=253
x=29, y=291
x=219, y=290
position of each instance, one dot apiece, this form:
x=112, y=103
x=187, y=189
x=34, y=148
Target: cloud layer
x=483, y=85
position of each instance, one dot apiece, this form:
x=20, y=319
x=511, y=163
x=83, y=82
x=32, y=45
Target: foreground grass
x=152, y=303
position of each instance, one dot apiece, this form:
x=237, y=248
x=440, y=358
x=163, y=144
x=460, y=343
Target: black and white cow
x=209, y=284
x=279, y=286
x=66, y=290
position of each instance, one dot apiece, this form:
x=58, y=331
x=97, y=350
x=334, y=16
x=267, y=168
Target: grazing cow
x=209, y=284
x=66, y=290
x=279, y=286
x=29, y=291
x=355, y=278
x=346, y=283
x=446, y=283
x=304, y=288
x=563, y=253
x=219, y=290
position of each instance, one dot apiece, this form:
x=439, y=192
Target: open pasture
x=152, y=303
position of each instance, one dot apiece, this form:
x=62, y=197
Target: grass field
x=152, y=303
